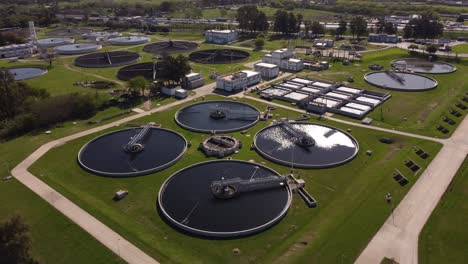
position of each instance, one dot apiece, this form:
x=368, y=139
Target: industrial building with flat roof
x=17, y=50
x=267, y=70
x=284, y=59
x=238, y=81
x=220, y=36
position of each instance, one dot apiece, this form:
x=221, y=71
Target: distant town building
x=238, y=81
x=267, y=70
x=383, y=38
x=220, y=36
x=17, y=50
x=193, y=80
x=285, y=59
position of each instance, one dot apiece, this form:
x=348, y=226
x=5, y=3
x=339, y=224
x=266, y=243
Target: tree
x=175, y=68
x=427, y=27
x=261, y=23
x=222, y=12
x=15, y=244
x=408, y=31
x=285, y=23
x=251, y=19
x=432, y=48
x=138, y=84
x=342, y=27
x=317, y=28
x=389, y=28
x=16, y=96
x=413, y=47
x=259, y=43
x=358, y=26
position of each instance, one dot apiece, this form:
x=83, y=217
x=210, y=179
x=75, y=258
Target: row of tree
x=251, y=19
x=426, y=27
x=24, y=108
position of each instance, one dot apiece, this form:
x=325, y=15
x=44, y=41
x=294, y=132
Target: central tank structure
x=191, y=199
x=305, y=145
x=217, y=116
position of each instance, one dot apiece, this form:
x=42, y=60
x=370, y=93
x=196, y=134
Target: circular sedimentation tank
x=305, y=145
x=112, y=154
x=219, y=56
x=129, y=40
x=106, y=59
x=186, y=201
x=64, y=32
x=149, y=70
x=400, y=81
x=101, y=35
x=423, y=66
x=24, y=73
x=217, y=116
x=53, y=42
x=75, y=49
x=170, y=47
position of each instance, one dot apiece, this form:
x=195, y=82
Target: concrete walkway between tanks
x=109, y=238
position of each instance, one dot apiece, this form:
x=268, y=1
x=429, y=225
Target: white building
x=284, y=58
x=193, y=80
x=220, y=36
x=267, y=70
x=238, y=81
x=17, y=50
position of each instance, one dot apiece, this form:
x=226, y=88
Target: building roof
x=266, y=65
x=192, y=74
x=225, y=31
x=250, y=73
x=294, y=60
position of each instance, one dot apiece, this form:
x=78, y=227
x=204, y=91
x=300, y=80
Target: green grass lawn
x=55, y=239
x=462, y=48
x=416, y=112
x=444, y=238
x=351, y=200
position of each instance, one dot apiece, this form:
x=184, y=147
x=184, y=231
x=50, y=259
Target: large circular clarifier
x=106, y=59
x=170, y=47
x=24, y=73
x=219, y=56
x=109, y=155
x=400, y=81
x=305, y=145
x=217, y=116
x=186, y=201
x=423, y=66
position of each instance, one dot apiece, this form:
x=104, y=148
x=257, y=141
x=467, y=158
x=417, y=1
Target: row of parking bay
x=320, y=97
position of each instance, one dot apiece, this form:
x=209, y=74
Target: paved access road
x=398, y=237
